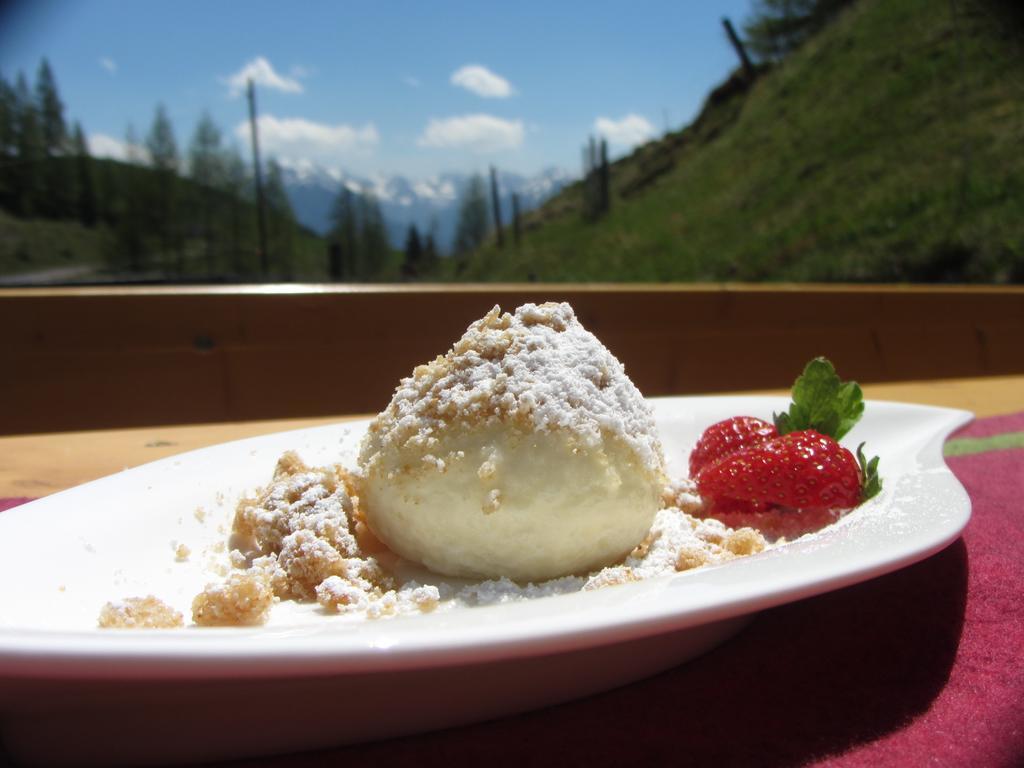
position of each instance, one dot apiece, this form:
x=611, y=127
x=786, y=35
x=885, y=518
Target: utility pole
x=496, y=205
x=260, y=215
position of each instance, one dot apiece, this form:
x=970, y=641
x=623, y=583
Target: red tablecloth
x=920, y=667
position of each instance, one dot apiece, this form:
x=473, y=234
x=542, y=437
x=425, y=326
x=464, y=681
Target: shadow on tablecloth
x=805, y=681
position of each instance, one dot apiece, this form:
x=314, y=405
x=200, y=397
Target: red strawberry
x=800, y=470
x=726, y=437
x=773, y=522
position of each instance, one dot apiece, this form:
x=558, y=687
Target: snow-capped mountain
x=431, y=204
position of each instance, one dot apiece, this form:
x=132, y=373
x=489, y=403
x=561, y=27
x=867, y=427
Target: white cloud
x=108, y=64
x=412, y=82
x=296, y=138
x=479, y=133
x=481, y=81
x=102, y=145
x=260, y=71
x=626, y=132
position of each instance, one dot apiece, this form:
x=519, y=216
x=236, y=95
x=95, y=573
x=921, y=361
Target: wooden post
x=516, y=230
x=741, y=51
x=260, y=215
x=496, y=206
x=604, y=179
x=585, y=184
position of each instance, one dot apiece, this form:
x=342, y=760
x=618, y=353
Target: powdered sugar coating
x=300, y=499
x=537, y=368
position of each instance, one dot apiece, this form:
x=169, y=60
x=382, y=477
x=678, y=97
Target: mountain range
x=432, y=204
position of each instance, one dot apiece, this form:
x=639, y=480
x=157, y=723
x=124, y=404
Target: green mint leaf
x=871, y=482
x=822, y=401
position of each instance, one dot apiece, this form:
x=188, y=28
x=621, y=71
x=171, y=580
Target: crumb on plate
x=140, y=613
x=243, y=599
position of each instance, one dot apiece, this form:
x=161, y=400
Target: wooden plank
x=771, y=357
x=38, y=465
x=77, y=358
x=84, y=388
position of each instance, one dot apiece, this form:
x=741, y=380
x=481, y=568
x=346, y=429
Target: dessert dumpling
x=524, y=452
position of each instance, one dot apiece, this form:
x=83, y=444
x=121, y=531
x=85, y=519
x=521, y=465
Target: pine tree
x=57, y=176
x=205, y=168
x=51, y=112
x=235, y=185
x=472, y=227
x=8, y=143
x=108, y=190
x=161, y=144
x=124, y=200
x=205, y=158
x=413, y=261
x=343, y=236
x=276, y=196
x=429, y=255
x=85, y=183
x=280, y=220
x=162, y=191
x=127, y=207
x=373, y=238
x=29, y=151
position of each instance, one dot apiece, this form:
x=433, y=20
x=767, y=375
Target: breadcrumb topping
x=537, y=368
x=304, y=530
x=306, y=541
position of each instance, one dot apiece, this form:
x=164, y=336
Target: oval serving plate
x=308, y=679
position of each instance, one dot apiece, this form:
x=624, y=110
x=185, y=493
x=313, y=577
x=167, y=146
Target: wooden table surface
x=37, y=465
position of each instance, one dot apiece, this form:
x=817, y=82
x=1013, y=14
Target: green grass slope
x=57, y=248
x=888, y=148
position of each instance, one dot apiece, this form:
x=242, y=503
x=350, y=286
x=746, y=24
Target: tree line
x=164, y=213
x=34, y=137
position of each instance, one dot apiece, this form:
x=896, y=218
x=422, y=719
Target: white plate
x=308, y=680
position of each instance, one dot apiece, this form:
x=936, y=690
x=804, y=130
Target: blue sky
x=415, y=88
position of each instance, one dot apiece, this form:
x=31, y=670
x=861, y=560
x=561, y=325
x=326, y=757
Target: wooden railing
x=91, y=358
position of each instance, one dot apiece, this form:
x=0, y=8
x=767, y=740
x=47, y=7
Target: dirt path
x=52, y=276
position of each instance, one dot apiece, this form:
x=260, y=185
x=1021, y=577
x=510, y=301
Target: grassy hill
x=40, y=246
x=887, y=148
